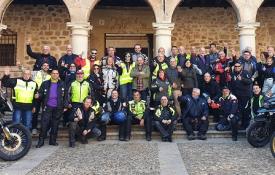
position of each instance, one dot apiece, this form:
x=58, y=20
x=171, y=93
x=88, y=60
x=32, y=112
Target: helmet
x=222, y=127
x=119, y=117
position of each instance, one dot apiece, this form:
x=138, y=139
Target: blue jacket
x=194, y=108
x=229, y=105
x=241, y=87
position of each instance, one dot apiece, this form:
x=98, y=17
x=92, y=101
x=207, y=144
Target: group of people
x=155, y=93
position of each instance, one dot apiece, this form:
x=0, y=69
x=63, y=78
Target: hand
x=36, y=96
x=85, y=132
x=164, y=121
x=179, y=69
x=160, y=89
x=233, y=52
x=33, y=110
x=7, y=71
x=239, y=77
x=226, y=69
x=28, y=42
x=203, y=118
x=264, y=68
x=124, y=104
x=169, y=121
x=209, y=100
x=65, y=109
x=217, y=60
x=70, y=106
x=76, y=119
x=141, y=123
x=141, y=73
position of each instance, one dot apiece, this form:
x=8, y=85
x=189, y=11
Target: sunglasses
x=93, y=53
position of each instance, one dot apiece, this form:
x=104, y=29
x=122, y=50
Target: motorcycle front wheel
x=272, y=144
x=19, y=144
x=258, y=134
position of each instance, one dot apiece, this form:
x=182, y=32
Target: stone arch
x=4, y=4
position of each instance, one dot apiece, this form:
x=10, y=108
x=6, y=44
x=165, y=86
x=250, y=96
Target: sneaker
x=191, y=137
x=202, y=137
x=34, y=132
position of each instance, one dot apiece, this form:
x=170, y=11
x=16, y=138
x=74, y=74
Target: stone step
x=63, y=135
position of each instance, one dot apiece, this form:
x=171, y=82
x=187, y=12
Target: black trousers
x=233, y=122
x=165, y=130
x=191, y=124
x=35, y=115
x=102, y=126
x=133, y=120
x=75, y=130
x=243, y=113
x=50, y=119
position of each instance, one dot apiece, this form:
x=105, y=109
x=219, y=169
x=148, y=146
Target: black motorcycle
x=15, y=139
x=259, y=132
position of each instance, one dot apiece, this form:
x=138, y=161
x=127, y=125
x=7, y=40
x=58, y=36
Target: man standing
x=40, y=77
x=24, y=90
x=241, y=86
x=51, y=93
x=138, y=53
x=66, y=60
x=41, y=58
x=195, y=115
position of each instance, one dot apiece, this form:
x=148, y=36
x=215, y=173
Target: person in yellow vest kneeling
x=24, y=92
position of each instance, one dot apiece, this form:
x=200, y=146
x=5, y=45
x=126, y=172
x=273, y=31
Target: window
x=8, y=43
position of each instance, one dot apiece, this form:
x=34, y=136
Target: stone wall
x=44, y=25
x=196, y=26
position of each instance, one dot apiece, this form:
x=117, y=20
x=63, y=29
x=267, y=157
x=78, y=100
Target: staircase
x=139, y=133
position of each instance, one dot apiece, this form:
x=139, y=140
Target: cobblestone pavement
x=101, y=159
x=224, y=157
x=138, y=157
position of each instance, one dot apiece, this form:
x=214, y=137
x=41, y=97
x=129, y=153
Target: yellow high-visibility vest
x=24, y=91
x=79, y=91
x=125, y=77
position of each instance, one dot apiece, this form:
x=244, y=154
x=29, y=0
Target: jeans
x=23, y=116
x=126, y=92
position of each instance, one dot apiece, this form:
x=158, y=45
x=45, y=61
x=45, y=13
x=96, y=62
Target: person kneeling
x=139, y=114
x=228, y=108
x=164, y=119
x=195, y=115
x=83, y=123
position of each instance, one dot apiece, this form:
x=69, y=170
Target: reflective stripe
x=96, y=107
x=164, y=66
x=39, y=79
x=87, y=68
x=137, y=108
x=125, y=76
x=24, y=91
x=79, y=91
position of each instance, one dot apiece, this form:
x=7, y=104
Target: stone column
x=163, y=36
x=79, y=37
x=248, y=35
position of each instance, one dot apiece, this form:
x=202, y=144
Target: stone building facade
x=77, y=22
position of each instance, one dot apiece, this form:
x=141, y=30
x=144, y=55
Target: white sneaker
x=34, y=132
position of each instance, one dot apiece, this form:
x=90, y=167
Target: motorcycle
x=259, y=132
x=15, y=139
x=272, y=144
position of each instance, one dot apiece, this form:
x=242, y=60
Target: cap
x=79, y=72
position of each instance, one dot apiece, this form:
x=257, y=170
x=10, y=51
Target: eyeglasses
x=93, y=53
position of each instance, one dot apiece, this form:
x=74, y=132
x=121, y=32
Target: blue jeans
x=126, y=92
x=23, y=116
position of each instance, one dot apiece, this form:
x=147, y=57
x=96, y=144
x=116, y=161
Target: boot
x=72, y=144
x=52, y=140
x=148, y=137
x=40, y=142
